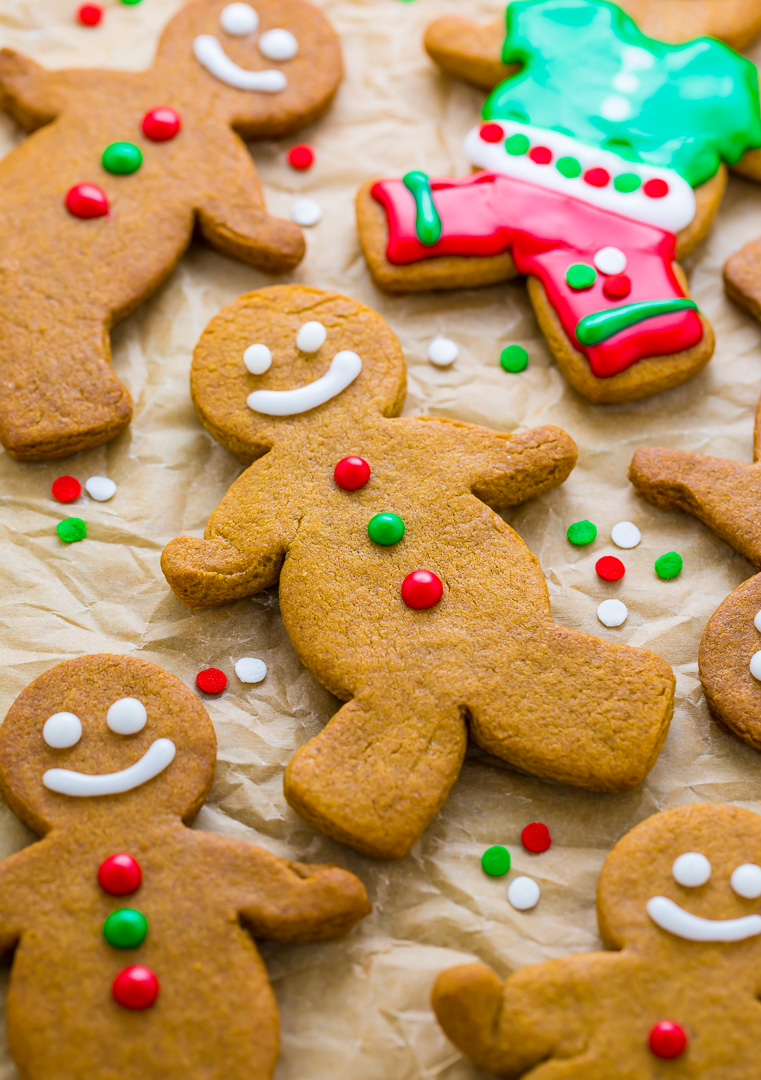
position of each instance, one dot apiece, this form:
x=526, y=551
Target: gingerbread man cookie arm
x=468, y=50
x=29, y=93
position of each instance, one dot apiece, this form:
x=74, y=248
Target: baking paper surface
x=359, y=1007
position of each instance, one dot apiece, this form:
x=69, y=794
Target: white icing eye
x=757, y=620
x=257, y=359
x=238, y=19
x=691, y=869
x=127, y=716
x=278, y=45
x=311, y=336
x=61, y=730
x=746, y=881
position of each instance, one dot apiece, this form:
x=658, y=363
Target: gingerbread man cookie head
x=108, y=736
x=268, y=67
x=287, y=358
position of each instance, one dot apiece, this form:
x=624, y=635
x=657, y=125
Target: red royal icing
x=351, y=473
x=86, y=201
x=617, y=287
x=655, y=188
x=609, y=568
x=120, y=875
x=542, y=155
x=161, y=124
x=536, y=837
x=491, y=132
x=546, y=231
x=421, y=589
x=66, y=489
x=135, y=987
x=667, y=1039
x=597, y=177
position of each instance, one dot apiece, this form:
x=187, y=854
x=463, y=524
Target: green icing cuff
x=601, y=325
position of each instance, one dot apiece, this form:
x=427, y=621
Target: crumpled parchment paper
x=359, y=1007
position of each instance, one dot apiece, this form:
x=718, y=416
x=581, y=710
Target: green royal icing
x=588, y=71
x=601, y=325
x=427, y=220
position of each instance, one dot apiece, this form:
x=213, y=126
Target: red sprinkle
x=135, y=987
x=86, y=201
x=491, y=132
x=301, y=156
x=421, y=589
x=66, y=489
x=536, y=837
x=609, y=568
x=667, y=1039
x=351, y=473
x=211, y=680
x=161, y=124
x=655, y=188
x=597, y=177
x=90, y=14
x=120, y=875
x=542, y=155
x=617, y=286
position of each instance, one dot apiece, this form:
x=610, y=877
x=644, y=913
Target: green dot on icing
x=626, y=182
x=582, y=532
x=496, y=861
x=385, y=529
x=125, y=928
x=580, y=276
x=71, y=529
x=517, y=144
x=669, y=565
x=513, y=358
x=569, y=166
x=122, y=158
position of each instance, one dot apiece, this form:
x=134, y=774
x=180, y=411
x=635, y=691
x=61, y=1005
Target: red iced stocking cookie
x=100, y=203
x=679, y=908
x=401, y=590
x=132, y=933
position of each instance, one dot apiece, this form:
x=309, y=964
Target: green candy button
x=495, y=861
x=517, y=144
x=71, y=529
x=122, y=158
x=514, y=358
x=580, y=276
x=385, y=529
x=125, y=928
x=569, y=167
x=669, y=565
x=582, y=533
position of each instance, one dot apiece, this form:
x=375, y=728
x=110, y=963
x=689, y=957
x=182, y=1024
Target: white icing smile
x=342, y=372
x=210, y=54
x=156, y=758
x=675, y=920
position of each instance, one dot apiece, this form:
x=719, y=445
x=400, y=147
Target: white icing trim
x=675, y=920
x=85, y=785
x=673, y=212
x=342, y=372
x=210, y=54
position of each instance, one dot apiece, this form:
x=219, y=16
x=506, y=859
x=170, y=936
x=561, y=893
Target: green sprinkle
x=122, y=158
x=130, y=3
x=517, y=144
x=514, y=358
x=496, y=861
x=580, y=276
x=125, y=928
x=669, y=565
x=71, y=529
x=582, y=533
x=385, y=529
x=568, y=166
x=627, y=182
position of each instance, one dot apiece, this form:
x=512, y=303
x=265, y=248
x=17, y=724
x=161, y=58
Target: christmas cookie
x=679, y=911
x=599, y=161
x=402, y=590
x=101, y=202
x=131, y=933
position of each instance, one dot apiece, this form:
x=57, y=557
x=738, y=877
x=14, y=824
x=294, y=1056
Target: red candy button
x=120, y=875
x=161, y=123
x=135, y=987
x=351, y=473
x=90, y=14
x=667, y=1039
x=609, y=568
x=421, y=589
x=542, y=155
x=597, y=177
x=536, y=837
x=301, y=156
x=617, y=287
x=491, y=132
x=656, y=188
x=66, y=489
x=86, y=201
x=211, y=680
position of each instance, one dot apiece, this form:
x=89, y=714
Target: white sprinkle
x=100, y=488
x=311, y=336
x=278, y=45
x=612, y=612
x=615, y=108
x=305, y=211
x=523, y=893
x=250, y=670
x=757, y=620
x=238, y=19
x=442, y=352
x=755, y=665
x=257, y=359
x=625, y=534
x=610, y=260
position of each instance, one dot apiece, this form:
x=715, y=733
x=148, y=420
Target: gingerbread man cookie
x=676, y=995
x=102, y=200
x=402, y=590
x=599, y=160
x=725, y=496
x=133, y=933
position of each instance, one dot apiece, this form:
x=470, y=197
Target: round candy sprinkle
x=582, y=533
x=610, y=260
x=514, y=359
x=301, y=157
x=257, y=359
x=617, y=287
x=669, y=565
x=311, y=337
x=136, y=987
x=656, y=188
x=90, y=14
x=597, y=177
x=536, y=837
x=625, y=534
x=580, y=276
x=746, y=881
x=421, y=589
x=609, y=568
x=71, y=529
x=122, y=158
x=120, y=875
x=517, y=144
x=250, y=670
x=523, y=893
x=568, y=167
x=667, y=1039
x=211, y=680
x=442, y=352
x=755, y=665
x=542, y=155
x=385, y=529
x=612, y=612
x=351, y=473
x=86, y=201
x=161, y=124
x=100, y=488
x=757, y=620
x=125, y=928
x=130, y=3
x=66, y=489
x=495, y=861
x=491, y=132
x=305, y=211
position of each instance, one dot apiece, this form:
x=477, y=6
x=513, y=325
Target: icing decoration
x=71, y=529
x=597, y=177
x=127, y=716
x=746, y=881
x=617, y=287
x=385, y=529
x=125, y=928
x=89, y=14
x=536, y=837
x=66, y=489
x=755, y=665
x=625, y=534
x=514, y=358
x=278, y=45
x=161, y=124
x=311, y=337
x=495, y=861
x=675, y=920
x=442, y=352
x=669, y=565
x=344, y=369
x=211, y=680
x=100, y=488
x=305, y=212
x=238, y=19
x=156, y=758
x=542, y=155
x=601, y=325
x=582, y=533
x=421, y=590
x=86, y=201
x=610, y=260
x=491, y=132
x=257, y=359
x=62, y=730
x=757, y=620
x=609, y=568
x=691, y=870
x=122, y=158
x=427, y=220
x=580, y=276
x=351, y=473
x=135, y=988
x=120, y=875
x=667, y=1040
x=210, y=55
x=301, y=156
x=612, y=612
x=250, y=670
x=131, y=3
x=523, y=893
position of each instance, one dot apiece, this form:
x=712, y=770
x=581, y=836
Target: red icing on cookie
x=617, y=287
x=656, y=188
x=597, y=177
x=542, y=155
x=491, y=132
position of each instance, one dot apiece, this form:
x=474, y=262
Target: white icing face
x=344, y=369
x=693, y=870
x=62, y=730
x=279, y=45
x=240, y=20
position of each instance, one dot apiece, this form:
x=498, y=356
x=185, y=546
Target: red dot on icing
x=135, y=987
x=536, y=837
x=491, y=132
x=655, y=188
x=351, y=473
x=161, y=123
x=90, y=14
x=66, y=489
x=542, y=155
x=211, y=680
x=86, y=201
x=120, y=875
x=421, y=589
x=301, y=156
x=609, y=568
x=617, y=286
x=667, y=1039
x=597, y=177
